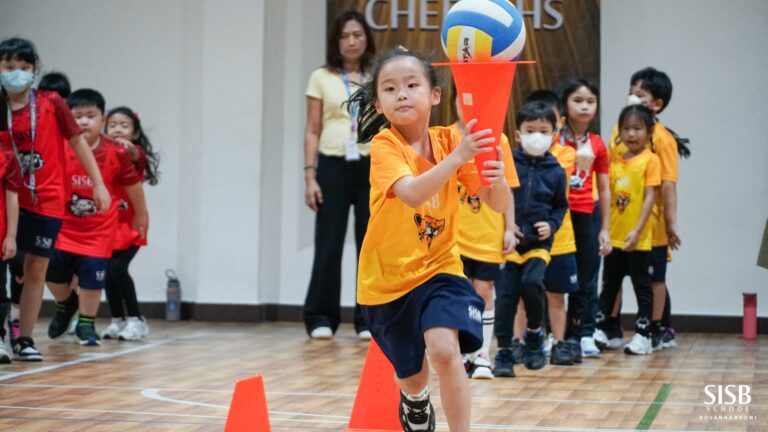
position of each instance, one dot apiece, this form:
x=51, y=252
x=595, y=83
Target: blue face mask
x=16, y=81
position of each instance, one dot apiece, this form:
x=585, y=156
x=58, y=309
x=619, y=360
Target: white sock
x=14, y=313
x=420, y=396
x=489, y=317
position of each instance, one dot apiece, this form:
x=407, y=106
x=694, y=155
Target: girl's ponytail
x=683, y=149
x=369, y=122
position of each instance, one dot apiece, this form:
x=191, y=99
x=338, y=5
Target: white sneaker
x=601, y=340
x=639, y=345
x=5, y=356
x=112, y=329
x=364, y=335
x=482, y=367
x=132, y=330
x=548, y=342
x=321, y=333
x=589, y=349
x=73, y=325
x=144, y=327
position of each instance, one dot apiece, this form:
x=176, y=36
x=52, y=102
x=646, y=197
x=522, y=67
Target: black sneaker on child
x=575, y=346
x=64, y=313
x=85, y=334
x=503, y=363
x=416, y=416
x=534, y=357
x=561, y=354
x=24, y=350
x=517, y=351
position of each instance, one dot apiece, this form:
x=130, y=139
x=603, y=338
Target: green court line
x=654, y=408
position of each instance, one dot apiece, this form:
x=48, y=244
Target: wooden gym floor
x=181, y=378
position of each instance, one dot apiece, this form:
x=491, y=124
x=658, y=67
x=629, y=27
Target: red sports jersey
x=581, y=199
x=126, y=236
x=85, y=231
x=11, y=180
x=55, y=125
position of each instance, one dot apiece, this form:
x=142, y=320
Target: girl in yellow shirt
x=633, y=179
x=411, y=285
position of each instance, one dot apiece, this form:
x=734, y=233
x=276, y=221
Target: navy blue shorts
x=90, y=271
x=37, y=233
x=444, y=301
x=561, y=275
x=480, y=270
x=659, y=264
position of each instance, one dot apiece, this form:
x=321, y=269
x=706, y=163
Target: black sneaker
x=517, y=351
x=64, y=313
x=24, y=350
x=416, y=416
x=85, y=334
x=562, y=354
x=575, y=347
x=503, y=363
x=533, y=352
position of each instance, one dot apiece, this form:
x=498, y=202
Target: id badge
x=351, y=150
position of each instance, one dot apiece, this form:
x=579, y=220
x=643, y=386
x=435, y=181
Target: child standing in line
x=540, y=206
x=85, y=242
x=124, y=126
x=10, y=181
x=634, y=179
x=35, y=125
x=485, y=237
x=411, y=284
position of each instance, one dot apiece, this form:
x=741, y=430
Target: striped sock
x=489, y=318
x=86, y=320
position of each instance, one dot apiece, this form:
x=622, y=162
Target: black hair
x=15, y=49
x=547, y=96
x=56, y=81
x=536, y=110
x=569, y=86
x=86, y=98
x=655, y=82
x=151, y=172
x=642, y=113
x=333, y=58
x=370, y=121
x=658, y=84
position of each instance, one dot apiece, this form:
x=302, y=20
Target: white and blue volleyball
x=483, y=31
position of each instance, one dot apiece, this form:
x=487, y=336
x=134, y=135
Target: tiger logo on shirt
x=27, y=159
x=622, y=201
x=82, y=207
x=473, y=200
x=429, y=227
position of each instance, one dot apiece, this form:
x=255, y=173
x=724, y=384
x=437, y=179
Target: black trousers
x=120, y=287
x=524, y=281
x=616, y=266
x=582, y=304
x=343, y=184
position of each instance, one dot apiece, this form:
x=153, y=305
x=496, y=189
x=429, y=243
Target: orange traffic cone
x=377, y=398
x=248, y=410
x=483, y=91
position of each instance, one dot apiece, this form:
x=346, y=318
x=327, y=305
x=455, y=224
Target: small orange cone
x=483, y=90
x=248, y=410
x=377, y=398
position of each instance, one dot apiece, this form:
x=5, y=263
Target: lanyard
x=564, y=132
x=33, y=131
x=354, y=107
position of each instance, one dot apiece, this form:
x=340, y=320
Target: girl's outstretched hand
x=494, y=170
x=472, y=143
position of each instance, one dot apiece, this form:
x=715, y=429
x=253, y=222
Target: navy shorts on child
x=444, y=301
x=37, y=233
x=480, y=270
x=561, y=275
x=90, y=271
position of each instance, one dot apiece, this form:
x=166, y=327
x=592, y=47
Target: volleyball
x=483, y=31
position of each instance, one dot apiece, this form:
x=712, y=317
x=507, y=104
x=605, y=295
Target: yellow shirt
x=665, y=146
x=629, y=178
x=337, y=123
x=481, y=230
x=565, y=240
x=405, y=247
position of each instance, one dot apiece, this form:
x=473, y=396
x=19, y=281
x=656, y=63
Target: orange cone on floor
x=377, y=398
x=483, y=90
x=248, y=410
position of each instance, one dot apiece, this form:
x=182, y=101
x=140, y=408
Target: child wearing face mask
x=540, y=206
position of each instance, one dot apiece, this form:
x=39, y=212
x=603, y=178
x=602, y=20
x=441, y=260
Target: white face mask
x=535, y=144
x=634, y=100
